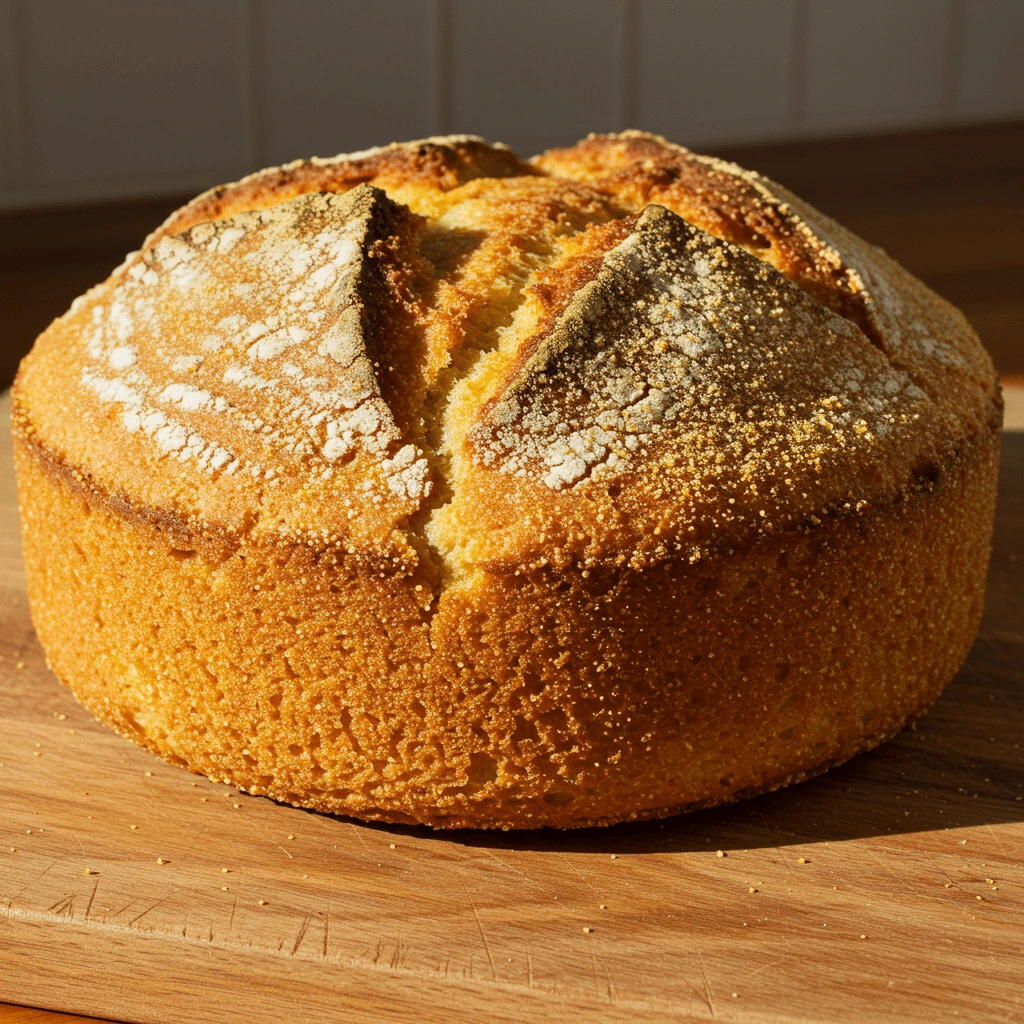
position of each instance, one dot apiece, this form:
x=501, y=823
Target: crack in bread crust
x=454, y=296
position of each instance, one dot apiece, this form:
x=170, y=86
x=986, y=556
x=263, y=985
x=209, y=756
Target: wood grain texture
x=371, y=923
x=10, y=1014
x=1013, y=402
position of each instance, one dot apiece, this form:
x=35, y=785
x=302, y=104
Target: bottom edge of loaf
x=449, y=822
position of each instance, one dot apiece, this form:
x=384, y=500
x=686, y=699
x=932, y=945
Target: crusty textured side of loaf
x=429, y=485
x=524, y=699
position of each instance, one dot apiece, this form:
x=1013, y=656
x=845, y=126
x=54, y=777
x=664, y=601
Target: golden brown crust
x=255, y=373
x=723, y=199
x=715, y=396
x=428, y=165
x=426, y=485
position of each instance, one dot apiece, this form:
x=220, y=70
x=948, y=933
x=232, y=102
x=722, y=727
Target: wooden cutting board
x=890, y=889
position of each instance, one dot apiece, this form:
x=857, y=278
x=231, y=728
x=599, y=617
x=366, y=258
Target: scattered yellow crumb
x=149, y=775
x=62, y=717
x=13, y=849
x=602, y=906
x=801, y=860
x=224, y=887
x=20, y=664
x=752, y=889
x=587, y=930
x=203, y=799
x=735, y=995
x=863, y=936
x=133, y=827
x=160, y=860
x=990, y=881
x=291, y=837
x=720, y=853
x=36, y=753
x=615, y=856
x=90, y=871
x=262, y=903
x=391, y=846
x=224, y=871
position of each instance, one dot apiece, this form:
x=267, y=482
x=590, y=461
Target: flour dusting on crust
x=681, y=340
x=272, y=304
x=619, y=351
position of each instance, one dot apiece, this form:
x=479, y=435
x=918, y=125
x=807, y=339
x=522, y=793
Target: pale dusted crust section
x=260, y=373
x=424, y=484
x=537, y=698
x=920, y=331
x=731, y=203
x=694, y=395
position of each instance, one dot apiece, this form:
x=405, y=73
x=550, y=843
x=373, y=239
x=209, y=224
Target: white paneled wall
x=126, y=97
x=716, y=71
x=992, y=79
x=166, y=102
x=534, y=73
x=875, y=63
x=343, y=75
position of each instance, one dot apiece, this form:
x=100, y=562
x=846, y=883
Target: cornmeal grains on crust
x=429, y=485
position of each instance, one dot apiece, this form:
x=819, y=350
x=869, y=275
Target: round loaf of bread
x=428, y=485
